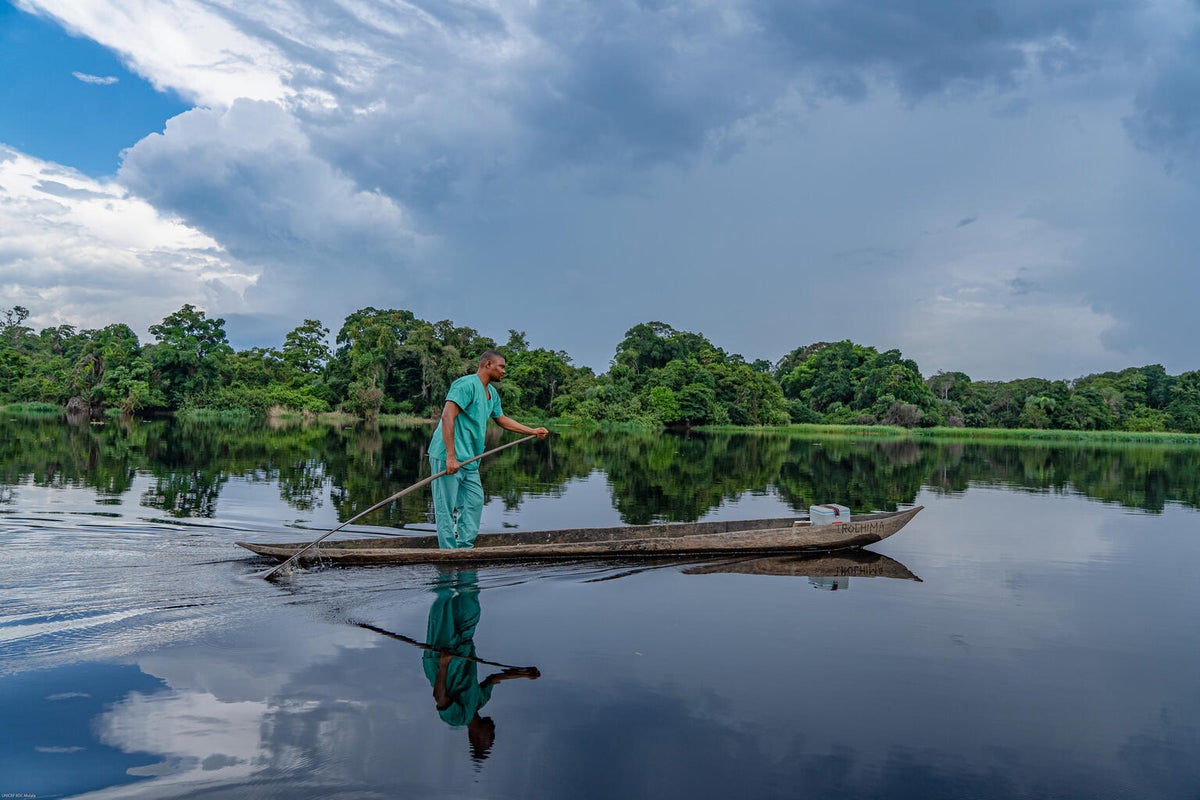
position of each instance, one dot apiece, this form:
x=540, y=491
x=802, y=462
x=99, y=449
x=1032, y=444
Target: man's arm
x=533, y=673
x=449, y=414
x=510, y=424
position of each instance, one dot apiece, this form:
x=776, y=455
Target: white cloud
x=248, y=175
x=88, y=253
x=99, y=80
x=176, y=44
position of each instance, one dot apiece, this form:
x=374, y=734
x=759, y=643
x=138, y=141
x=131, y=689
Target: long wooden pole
x=267, y=575
x=442, y=651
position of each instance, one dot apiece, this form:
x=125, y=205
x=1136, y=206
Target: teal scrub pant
x=459, y=495
x=452, y=620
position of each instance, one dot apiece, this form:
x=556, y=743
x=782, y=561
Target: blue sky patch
x=82, y=122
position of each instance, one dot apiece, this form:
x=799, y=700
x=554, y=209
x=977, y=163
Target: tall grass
x=1042, y=435
x=813, y=429
x=217, y=414
x=971, y=434
x=34, y=409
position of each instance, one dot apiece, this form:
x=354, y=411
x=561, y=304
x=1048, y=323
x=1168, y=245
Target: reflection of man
x=451, y=665
x=470, y=403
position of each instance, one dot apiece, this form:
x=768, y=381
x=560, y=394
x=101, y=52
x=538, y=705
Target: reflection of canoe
x=843, y=564
x=788, y=535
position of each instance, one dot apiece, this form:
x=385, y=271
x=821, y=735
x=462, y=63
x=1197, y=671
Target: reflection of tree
x=369, y=464
x=654, y=476
x=680, y=478
x=1146, y=477
x=301, y=483
x=50, y=453
x=863, y=475
x=186, y=494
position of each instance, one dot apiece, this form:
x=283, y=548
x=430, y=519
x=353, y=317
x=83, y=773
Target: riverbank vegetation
x=386, y=364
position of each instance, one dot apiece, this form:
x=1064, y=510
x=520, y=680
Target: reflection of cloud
x=189, y=730
x=276, y=650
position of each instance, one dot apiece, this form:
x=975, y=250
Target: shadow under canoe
x=842, y=564
x=742, y=537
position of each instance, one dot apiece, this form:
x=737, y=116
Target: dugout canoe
x=744, y=537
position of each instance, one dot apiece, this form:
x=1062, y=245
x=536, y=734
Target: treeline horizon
x=388, y=361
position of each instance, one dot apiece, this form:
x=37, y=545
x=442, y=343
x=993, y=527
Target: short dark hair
x=489, y=355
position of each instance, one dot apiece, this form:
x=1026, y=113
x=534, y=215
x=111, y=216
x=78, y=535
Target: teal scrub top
x=474, y=410
x=467, y=694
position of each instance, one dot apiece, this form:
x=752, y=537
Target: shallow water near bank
x=1048, y=649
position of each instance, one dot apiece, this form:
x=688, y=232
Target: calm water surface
x=1033, y=633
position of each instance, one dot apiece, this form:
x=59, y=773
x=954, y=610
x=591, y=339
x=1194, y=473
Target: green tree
x=12, y=329
x=112, y=371
x=950, y=386
x=305, y=349
x=747, y=396
x=191, y=353
x=433, y=356
x=844, y=381
x=370, y=345
x=539, y=373
x=1184, y=405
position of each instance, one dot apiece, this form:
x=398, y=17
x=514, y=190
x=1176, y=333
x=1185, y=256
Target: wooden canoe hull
x=702, y=538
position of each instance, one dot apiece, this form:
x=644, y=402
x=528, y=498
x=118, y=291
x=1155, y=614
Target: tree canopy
x=390, y=361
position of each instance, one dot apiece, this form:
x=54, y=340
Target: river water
x=1031, y=634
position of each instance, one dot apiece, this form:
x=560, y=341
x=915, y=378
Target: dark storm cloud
x=248, y=173
x=441, y=102
x=1166, y=118
x=623, y=86
x=929, y=46
x=640, y=83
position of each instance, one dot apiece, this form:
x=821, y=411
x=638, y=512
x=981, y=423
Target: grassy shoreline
x=285, y=416
x=999, y=435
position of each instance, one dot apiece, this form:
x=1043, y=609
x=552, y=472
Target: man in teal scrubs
x=470, y=403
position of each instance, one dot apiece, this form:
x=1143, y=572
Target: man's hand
x=533, y=673
x=542, y=433
x=451, y=464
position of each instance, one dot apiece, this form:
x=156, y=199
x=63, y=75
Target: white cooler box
x=828, y=514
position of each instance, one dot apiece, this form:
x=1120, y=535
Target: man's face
x=495, y=369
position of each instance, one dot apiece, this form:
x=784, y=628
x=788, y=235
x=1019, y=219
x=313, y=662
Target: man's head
x=481, y=733
x=492, y=365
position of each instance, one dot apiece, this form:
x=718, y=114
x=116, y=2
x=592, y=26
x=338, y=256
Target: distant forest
x=389, y=361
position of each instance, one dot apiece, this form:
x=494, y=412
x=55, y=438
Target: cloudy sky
x=1007, y=189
